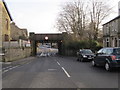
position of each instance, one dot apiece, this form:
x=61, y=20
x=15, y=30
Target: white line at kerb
x=65, y=72
x=5, y=71
x=6, y=67
x=10, y=69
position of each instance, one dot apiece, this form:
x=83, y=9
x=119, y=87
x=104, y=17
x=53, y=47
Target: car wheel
x=107, y=66
x=77, y=59
x=93, y=63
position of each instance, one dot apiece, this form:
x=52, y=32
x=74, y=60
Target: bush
x=76, y=45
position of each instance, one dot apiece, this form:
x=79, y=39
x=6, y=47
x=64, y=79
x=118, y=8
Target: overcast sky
x=39, y=16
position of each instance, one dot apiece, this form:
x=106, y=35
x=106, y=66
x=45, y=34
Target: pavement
x=59, y=72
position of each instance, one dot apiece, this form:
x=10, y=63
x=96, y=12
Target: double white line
x=9, y=69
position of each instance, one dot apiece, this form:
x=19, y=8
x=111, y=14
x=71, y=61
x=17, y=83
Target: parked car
x=85, y=54
x=107, y=57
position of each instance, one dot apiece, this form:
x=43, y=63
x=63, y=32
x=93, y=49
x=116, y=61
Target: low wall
x=12, y=54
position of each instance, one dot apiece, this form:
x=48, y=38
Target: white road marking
x=6, y=67
x=15, y=67
x=65, y=72
x=51, y=69
x=10, y=69
x=58, y=63
x=5, y=71
x=63, y=69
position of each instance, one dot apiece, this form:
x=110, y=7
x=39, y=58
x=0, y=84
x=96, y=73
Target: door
x=101, y=57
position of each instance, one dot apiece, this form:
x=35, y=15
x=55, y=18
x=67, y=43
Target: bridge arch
x=46, y=38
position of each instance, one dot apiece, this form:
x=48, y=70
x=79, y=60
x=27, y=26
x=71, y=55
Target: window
x=115, y=42
x=104, y=51
x=100, y=51
x=6, y=37
x=87, y=52
x=117, y=51
x=119, y=11
x=107, y=29
x=107, y=42
x=119, y=42
x=7, y=25
x=109, y=51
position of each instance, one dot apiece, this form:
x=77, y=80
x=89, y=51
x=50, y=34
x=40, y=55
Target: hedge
x=76, y=45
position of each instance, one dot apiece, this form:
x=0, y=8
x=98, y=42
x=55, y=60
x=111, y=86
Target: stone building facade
x=17, y=33
x=111, y=33
x=5, y=19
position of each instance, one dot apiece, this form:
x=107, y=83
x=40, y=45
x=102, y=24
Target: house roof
x=112, y=20
x=7, y=10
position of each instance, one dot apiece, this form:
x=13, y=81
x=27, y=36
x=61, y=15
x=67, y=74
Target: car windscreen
x=87, y=52
x=117, y=51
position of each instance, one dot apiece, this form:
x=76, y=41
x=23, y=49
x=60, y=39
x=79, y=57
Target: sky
x=40, y=16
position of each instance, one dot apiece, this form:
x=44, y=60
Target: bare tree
x=72, y=18
x=98, y=11
x=79, y=18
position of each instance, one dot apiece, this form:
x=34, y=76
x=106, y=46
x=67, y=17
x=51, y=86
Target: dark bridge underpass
x=46, y=38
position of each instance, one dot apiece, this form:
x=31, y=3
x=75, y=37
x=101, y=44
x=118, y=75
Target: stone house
x=5, y=19
x=18, y=33
x=111, y=33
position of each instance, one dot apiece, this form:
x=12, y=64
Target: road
x=58, y=72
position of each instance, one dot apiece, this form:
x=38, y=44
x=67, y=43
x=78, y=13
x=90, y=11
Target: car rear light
x=113, y=57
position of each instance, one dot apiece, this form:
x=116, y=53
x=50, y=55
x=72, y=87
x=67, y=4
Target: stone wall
x=12, y=54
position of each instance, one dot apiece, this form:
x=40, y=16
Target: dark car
x=107, y=57
x=85, y=54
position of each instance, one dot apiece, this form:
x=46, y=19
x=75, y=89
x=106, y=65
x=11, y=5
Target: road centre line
x=63, y=69
x=65, y=72
x=58, y=63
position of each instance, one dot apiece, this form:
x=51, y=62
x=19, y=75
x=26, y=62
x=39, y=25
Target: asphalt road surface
x=58, y=72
